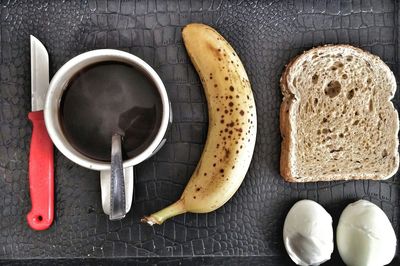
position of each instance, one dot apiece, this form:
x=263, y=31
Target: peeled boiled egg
x=308, y=233
x=365, y=235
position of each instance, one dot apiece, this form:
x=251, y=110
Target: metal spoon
x=117, y=195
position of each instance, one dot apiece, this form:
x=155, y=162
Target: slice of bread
x=337, y=121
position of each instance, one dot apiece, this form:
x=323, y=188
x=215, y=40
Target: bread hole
x=350, y=94
x=341, y=135
x=307, y=106
x=314, y=79
x=384, y=153
x=356, y=113
x=369, y=80
x=356, y=89
x=336, y=150
x=325, y=131
x=355, y=123
x=344, y=76
x=333, y=88
x=336, y=65
x=324, y=120
x=371, y=105
x=314, y=56
x=349, y=58
x=315, y=101
x=319, y=132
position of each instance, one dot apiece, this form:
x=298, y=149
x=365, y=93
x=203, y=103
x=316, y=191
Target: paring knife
x=41, y=161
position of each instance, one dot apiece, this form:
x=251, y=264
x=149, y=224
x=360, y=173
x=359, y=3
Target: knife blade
x=41, y=161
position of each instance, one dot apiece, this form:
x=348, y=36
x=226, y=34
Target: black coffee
x=108, y=98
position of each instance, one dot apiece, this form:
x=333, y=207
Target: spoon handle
x=117, y=193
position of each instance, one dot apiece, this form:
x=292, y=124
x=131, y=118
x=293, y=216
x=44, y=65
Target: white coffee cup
x=57, y=87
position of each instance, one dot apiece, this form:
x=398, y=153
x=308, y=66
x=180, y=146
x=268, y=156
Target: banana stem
x=166, y=213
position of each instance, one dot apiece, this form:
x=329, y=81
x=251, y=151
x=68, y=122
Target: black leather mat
x=265, y=34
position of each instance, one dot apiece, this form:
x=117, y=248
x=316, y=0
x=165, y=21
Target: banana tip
x=148, y=220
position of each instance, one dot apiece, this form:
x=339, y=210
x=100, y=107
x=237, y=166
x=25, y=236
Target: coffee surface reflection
x=108, y=98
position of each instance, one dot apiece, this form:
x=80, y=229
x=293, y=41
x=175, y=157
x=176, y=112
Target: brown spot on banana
x=214, y=50
x=226, y=166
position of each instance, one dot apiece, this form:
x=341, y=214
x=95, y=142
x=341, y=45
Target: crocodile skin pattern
x=266, y=34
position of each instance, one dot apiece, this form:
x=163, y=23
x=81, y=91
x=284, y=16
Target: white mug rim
x=58, y=85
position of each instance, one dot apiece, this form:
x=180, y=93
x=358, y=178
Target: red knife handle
x=41, y=174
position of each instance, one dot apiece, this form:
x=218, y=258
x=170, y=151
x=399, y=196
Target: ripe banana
x=232, y=125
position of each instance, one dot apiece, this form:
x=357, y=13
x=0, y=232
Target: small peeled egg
x=365, y=235
x=308, y=233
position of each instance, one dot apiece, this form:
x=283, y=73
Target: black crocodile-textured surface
x=266, y=34
x=166, y=261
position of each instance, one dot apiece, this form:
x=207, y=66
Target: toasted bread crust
x=285, y=125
